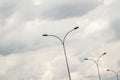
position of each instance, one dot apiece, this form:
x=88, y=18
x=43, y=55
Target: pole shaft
x=117, y=77
x=98, y=71
x=66, y=61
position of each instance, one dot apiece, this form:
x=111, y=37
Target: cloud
x=7, y=8
x=116, y=27
x=114, y=18
x=22, y=36
x=68, y=9
x=19, y=35
x=25, y=54
x=56, y=9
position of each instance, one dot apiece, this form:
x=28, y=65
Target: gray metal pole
x=98, y=71
x=116, y=73
x=97, y=64
x=63, y=44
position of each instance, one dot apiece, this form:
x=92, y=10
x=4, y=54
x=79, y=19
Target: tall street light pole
x=116, y=73
x=63, y=44
x=97, y=64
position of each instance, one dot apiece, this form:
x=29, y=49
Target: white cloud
x=37, y=2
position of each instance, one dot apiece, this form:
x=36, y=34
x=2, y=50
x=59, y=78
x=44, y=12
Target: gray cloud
x=69, y=9
x=20, y=39
x=7, y=8
x=112, y=14
x=116, y=27
x=48, y=10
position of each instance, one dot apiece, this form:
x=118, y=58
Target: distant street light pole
x=97, y=64
x=116, y=73
x=63, y=44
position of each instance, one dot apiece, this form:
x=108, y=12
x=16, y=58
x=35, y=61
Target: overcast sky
x=26, y=55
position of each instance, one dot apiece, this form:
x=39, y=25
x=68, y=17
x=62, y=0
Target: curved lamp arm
x=54, y=36
x=62, y=41
x=118, y=72
x=112, y=71
x=101, y=56
x=91, y=60
x=68, y=33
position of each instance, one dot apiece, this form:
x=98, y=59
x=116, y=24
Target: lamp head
x=104, y=53
x=86, y=59
x=76, y=27
x=45, y=35
x=108, y=70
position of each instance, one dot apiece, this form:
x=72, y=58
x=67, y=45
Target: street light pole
x=97, y=64
x=116, y=73
x=64, y=49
